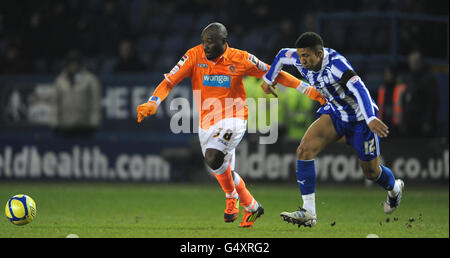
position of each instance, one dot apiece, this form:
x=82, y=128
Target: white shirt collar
x=325, y=59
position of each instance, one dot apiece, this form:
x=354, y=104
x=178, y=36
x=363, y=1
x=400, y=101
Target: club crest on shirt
x=232, y=68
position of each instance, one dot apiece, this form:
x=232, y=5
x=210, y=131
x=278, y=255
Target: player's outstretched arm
x=180, y=71
x=285, y=56
x=290, y=81
x=274, y=75
x=359, y=90
x=149, y=108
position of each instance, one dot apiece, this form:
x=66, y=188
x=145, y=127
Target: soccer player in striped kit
x=350, y=112
x=216, y=72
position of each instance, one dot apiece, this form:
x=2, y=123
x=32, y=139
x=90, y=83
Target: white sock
x=309, y=203
x=253, y=206
x=234, y=195
x=395, y=191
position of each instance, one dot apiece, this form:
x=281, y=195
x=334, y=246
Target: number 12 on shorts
x=369, y=146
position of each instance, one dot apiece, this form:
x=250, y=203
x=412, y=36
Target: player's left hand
x=379, y=128
x=269, y=89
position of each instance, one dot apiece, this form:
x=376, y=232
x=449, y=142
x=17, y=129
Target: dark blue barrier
x=123, y=150
x=417, y=161
x=25, y=101
x=88, y=159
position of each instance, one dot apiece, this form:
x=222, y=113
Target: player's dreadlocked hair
x=309, y=40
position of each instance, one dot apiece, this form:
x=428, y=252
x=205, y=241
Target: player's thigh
x=319, y=135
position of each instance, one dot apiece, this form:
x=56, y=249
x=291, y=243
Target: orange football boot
x=232, y=210
x=250, y=217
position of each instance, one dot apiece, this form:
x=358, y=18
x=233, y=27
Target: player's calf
x=371, y=169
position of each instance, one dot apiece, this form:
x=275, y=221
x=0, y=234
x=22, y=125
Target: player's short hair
x=309, y=40
x=218, y=29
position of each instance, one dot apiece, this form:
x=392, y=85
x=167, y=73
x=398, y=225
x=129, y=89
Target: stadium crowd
x=142, y=36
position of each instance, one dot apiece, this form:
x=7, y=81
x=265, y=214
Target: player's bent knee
x=214, y=158
x=371, y=173
x=304, y=152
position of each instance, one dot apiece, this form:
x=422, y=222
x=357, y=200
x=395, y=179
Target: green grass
x=194, y=210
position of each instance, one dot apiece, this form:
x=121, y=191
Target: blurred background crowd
x=397, y=46
x=143, y=35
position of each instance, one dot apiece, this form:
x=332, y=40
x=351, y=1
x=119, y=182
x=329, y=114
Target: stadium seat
x=107, y=66
x=148, y=44
x=174, y=43
x=158, y=24
x=203, y=21
x=182, y=23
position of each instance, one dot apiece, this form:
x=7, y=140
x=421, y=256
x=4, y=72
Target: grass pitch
x=100, y=210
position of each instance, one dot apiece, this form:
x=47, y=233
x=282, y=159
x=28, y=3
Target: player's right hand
x=379, y=128
x=269, y=89
x=146, y=109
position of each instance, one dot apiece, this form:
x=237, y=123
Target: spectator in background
x=36, y=37
x=13, y=62
x=77, y=99
x=111, y=26
x=390, y=100
x=128, y=61
x=421, y=99
x=62, y=33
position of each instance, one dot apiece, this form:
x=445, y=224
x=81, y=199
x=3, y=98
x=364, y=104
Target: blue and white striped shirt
x=350, y=100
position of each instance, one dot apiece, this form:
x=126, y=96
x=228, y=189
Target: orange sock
x=245, y=196
x=227, y=183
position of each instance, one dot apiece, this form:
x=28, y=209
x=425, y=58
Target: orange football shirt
x=218, y=86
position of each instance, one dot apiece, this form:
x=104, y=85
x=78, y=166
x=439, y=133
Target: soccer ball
x=20, y=209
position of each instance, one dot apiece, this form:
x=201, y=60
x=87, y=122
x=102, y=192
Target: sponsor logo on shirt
x=202, y=65
x=174, y=70
x=261, y=65
x=183, y=60
x=289, y=54
x=217, y=81
x=252, y=59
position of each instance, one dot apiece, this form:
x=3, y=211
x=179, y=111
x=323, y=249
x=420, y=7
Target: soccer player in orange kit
x=217, y=71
